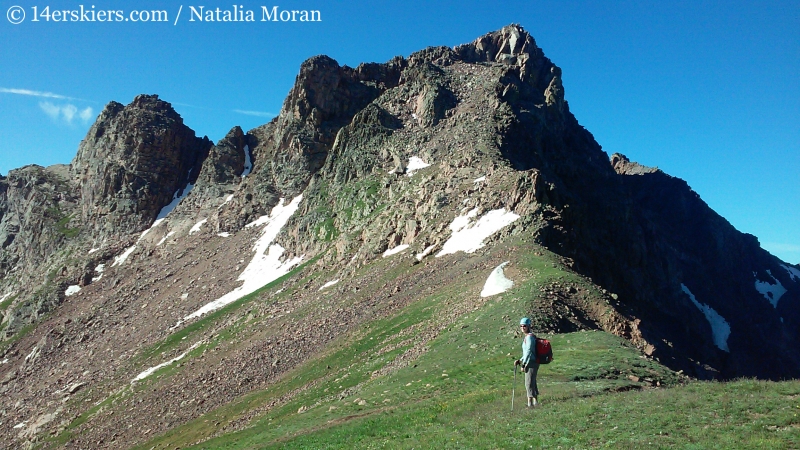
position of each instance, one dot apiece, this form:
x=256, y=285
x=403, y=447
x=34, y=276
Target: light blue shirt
x=528, y=350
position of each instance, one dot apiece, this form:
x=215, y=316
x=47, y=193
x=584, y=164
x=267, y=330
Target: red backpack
x=544, y=352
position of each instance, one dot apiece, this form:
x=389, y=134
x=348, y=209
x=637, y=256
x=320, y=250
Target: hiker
x=528, y=362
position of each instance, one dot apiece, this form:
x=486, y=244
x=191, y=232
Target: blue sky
x=707, y=91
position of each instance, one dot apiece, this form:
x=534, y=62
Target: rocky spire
x=132, y=161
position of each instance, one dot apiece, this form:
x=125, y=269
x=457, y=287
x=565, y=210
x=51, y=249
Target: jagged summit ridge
x=375, y=187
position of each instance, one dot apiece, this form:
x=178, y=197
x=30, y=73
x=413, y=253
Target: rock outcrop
x=131, y=163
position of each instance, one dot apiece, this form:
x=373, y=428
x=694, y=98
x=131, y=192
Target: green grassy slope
x=427, y=378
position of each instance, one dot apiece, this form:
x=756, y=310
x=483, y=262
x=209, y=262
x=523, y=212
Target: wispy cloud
x=255, y=113
x=86, y=114
x=67, y=112
x=37, y=94
x=190, y=106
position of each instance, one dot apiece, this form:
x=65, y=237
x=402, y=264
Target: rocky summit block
x=132, y=161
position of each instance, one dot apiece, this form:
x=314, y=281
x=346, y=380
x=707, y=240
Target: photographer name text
x=192, y=13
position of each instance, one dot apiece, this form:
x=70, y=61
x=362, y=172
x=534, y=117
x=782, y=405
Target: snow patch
x=93, y=250
x=425, y=252
x=165, y=238
x=394, y=251
x=155, y=224
x=328, y=284
x=151, y=370
x=266, y=265
x=415, y=164
x=196, y=227
x=99, y=269
x=118, y=260
x=19, y=425
x=479, y=180
x=248, y=164
x=468, y=234
x=462, y=221
x=227, y=199
x=5, y=361
x=33, y=354
x=72, y=290
x=772, y=292
x=497, y=283
x=5, y=297
x=179, y=195
x=720, y=329
x=224, y=234
x=793, y=273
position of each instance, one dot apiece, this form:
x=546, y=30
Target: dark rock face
x=684, y=245
x=649, y=237
x=325, y=98
x=132, y=161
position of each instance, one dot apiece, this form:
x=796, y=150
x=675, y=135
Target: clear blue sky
x=707, y=91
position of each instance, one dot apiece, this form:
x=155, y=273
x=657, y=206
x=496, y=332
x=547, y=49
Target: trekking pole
x=513, y=387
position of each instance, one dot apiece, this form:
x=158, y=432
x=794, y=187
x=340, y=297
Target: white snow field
x=99, y=269
x=394, y=251
x=328, y=284
x=414, y=164
x=176, y=198
x=425, y=252
x=152, y=370
x=196, y=227
x=720, y=329
x=72, y=290
x=772, y=292
x=165, y=238
x=124, y=256
x=266, y=265
x=793, y=272
x=497, y=283
x=469, y=234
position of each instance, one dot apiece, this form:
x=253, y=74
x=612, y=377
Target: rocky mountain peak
x=377, y=188
x=132, y=161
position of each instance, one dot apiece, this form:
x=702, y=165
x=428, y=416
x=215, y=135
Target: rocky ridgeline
x=385, y=156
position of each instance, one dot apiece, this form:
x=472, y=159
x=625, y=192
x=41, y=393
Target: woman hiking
x=528, y=362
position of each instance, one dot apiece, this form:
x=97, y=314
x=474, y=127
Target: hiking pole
x=514, y=386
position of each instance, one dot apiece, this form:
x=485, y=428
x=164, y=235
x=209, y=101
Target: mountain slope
x=235, y=280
